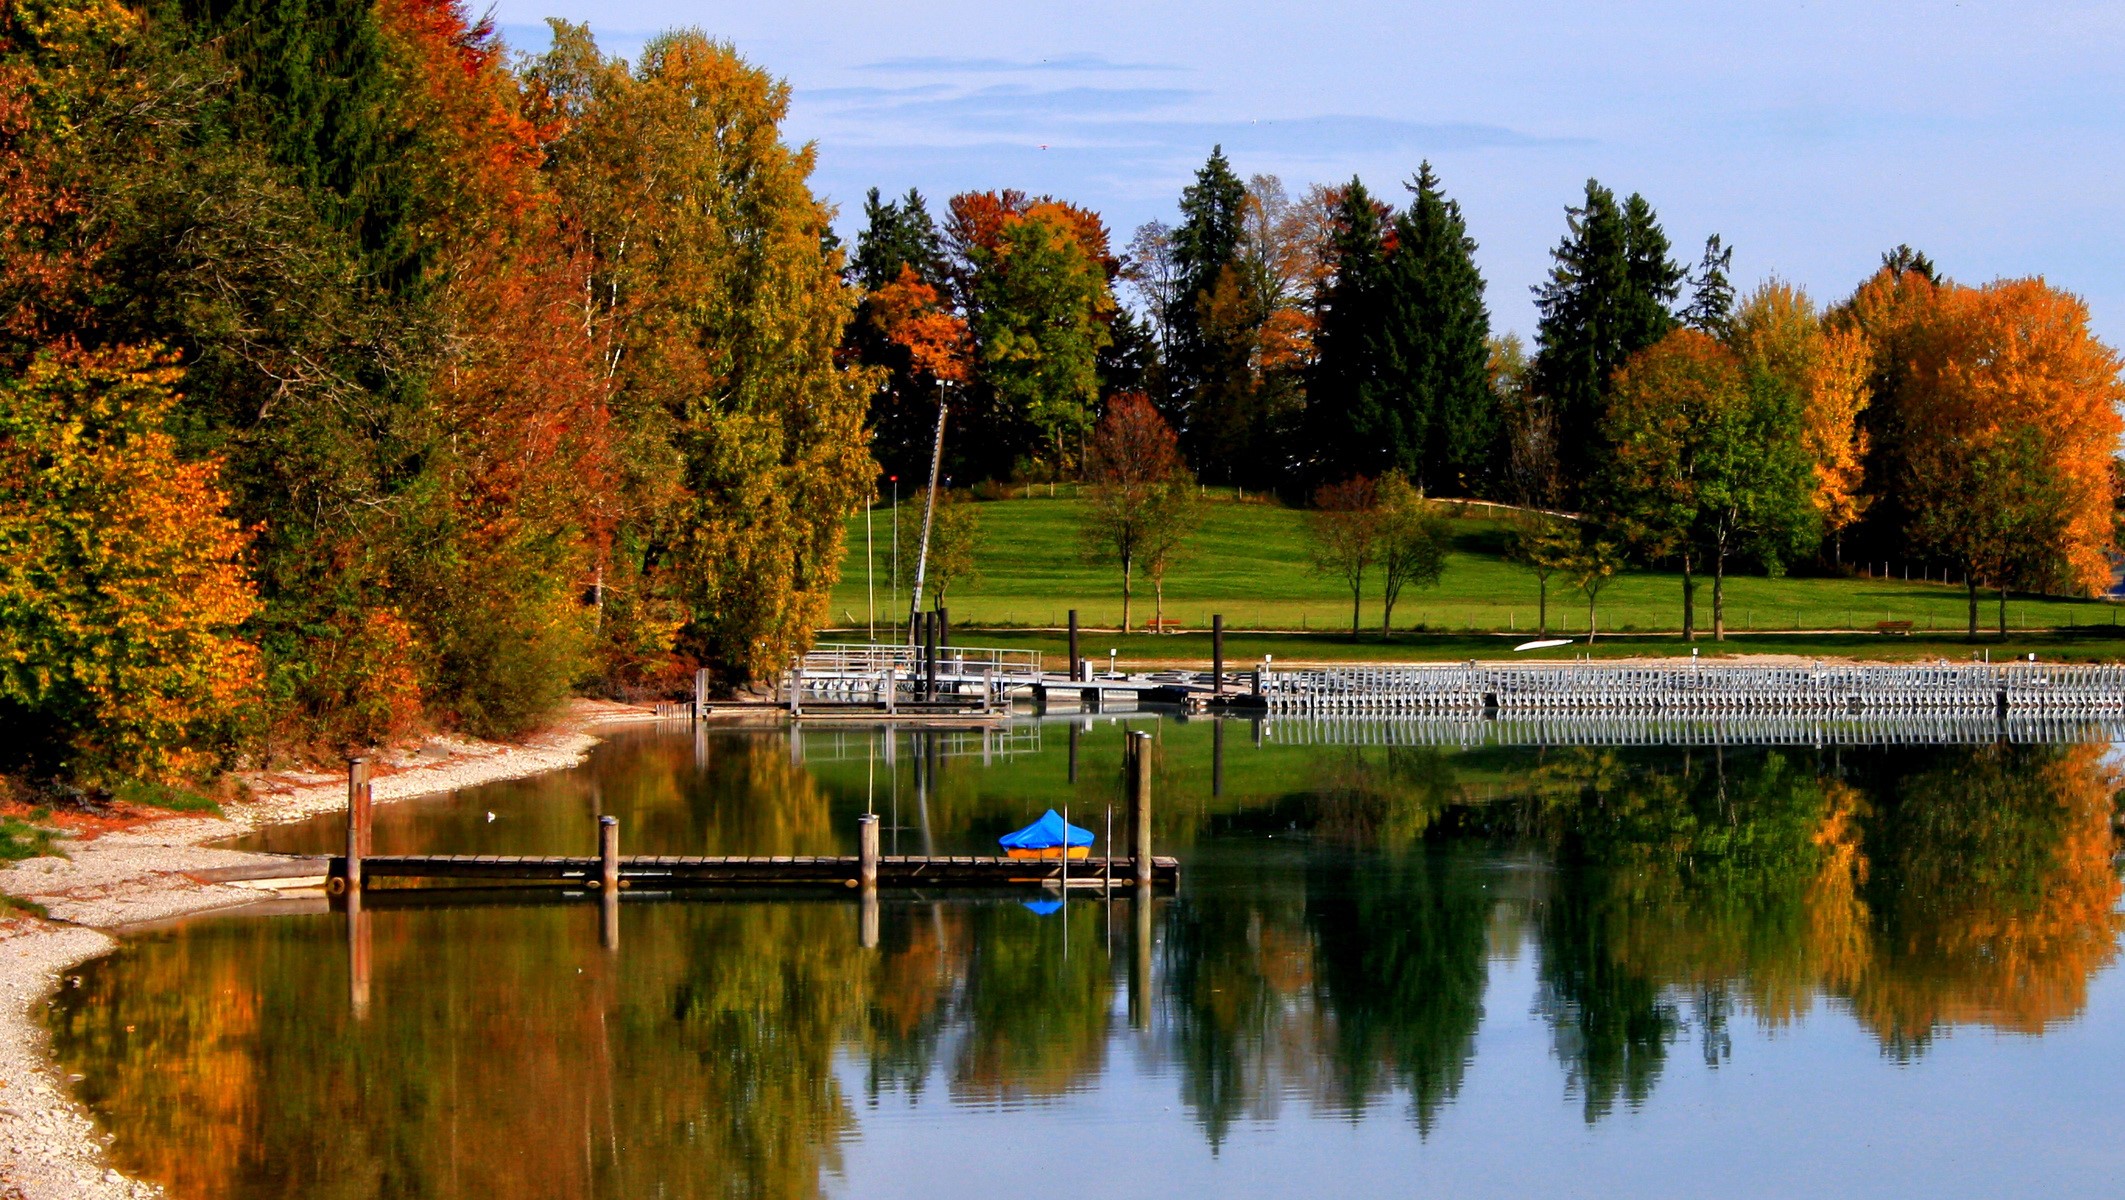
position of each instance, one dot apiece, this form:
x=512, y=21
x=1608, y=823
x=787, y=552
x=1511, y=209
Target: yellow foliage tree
x=1778, y=331
x=121, y=589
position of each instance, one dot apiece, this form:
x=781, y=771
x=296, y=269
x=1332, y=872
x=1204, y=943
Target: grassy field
x=1249, y=562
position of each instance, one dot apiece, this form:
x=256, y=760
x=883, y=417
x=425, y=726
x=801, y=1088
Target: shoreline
x=50, y=1145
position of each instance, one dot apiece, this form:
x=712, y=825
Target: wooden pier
x=686, y=871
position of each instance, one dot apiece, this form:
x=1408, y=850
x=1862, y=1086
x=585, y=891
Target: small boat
x=1048, y=837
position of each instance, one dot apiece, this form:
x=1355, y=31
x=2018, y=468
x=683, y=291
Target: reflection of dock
x=1760, y=729
x=725, y=871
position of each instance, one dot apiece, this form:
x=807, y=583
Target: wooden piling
x=867, y=852
x=609, y=855
x=1077, y=665
x=358, y=835
x=1217, y=654
x=609, y=918
x=1139, y=762
x=700, y=693
x=867, y=920
x=358, y=955
x=944, y=626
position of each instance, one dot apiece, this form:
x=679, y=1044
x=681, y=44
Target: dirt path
x=50, y=1149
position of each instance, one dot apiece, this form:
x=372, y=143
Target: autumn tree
x=1143, y=502
x=1038, y=315
x=1412, y=542
x=1707, y=460
x=717, y=307
x=1343, y=535
x=122, y=594
x=906, y=306
x=2009, y=422
x=1609, y=295
x=1777, y=333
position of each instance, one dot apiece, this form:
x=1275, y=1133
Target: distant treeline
x=354, y=377
x=1296, y=344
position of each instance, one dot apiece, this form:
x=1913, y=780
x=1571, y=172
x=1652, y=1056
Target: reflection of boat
x=1049, y=838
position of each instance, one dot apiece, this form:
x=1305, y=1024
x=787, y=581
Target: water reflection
x=1346, y=920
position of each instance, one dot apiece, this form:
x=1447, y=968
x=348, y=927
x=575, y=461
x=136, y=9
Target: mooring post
x=929, y=655
x=1140, y=805
x=892, y=686
x=944, y=626
x=1217, y=654
x=700, y=693
x=867, y=852
x=867, y=919
x=1076, y=667
x=358, y=838
x=609, y=855
x=796, y=688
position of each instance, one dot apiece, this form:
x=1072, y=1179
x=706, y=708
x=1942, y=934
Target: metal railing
x=1700, y=688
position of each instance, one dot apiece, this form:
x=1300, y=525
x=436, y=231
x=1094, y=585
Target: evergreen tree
x=1711, y=307
x=895, y=234
x=1206, y=242
x=1438, y=413
x=315, y=88
x=1904, y=258
x=1607, y=297
x=1343, y=387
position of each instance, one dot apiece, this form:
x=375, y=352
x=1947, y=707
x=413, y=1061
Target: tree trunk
x=1126, y=564
x=1158, y=603
x=1689, y=601
x=1719, y=597
x=1542, y=606
x=1970, y=581
x=1387, y=616
x=1357, y=593
x=1590, y=618
x=2003, y=612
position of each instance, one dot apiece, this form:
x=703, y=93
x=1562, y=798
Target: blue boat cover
x=1043, y=908
x=1046, y=834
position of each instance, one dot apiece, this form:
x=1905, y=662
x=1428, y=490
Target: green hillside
x=1249, y=562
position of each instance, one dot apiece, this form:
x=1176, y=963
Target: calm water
x=1388, y=972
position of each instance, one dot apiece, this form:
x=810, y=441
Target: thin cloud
x=995, y=66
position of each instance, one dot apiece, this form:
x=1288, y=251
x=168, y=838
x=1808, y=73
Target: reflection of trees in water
x=1918, y=889
x=1399, y=960
x=1936, y=887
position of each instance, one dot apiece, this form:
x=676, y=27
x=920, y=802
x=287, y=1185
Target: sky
x=1810, y=136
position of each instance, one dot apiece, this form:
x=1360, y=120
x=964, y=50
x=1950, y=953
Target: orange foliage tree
x=121, y=589
x=2009, y=419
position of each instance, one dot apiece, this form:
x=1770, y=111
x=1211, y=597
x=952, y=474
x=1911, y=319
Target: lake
x=1390, y=969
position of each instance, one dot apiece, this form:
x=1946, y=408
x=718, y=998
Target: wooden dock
x=682, y=871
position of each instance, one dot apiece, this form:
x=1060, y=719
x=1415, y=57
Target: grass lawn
x=1249, y=562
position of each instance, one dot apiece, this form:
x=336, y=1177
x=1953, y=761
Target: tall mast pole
x=929, y=512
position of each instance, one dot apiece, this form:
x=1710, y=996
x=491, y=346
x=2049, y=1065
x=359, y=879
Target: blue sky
x=1812, y=136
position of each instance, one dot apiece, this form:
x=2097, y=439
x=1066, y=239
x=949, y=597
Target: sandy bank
x=49, y=1146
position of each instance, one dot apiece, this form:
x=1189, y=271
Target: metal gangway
x=859, y=673
x=1700, y=689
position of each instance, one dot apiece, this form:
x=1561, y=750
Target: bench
x=1903, y=627
x=1162, y=625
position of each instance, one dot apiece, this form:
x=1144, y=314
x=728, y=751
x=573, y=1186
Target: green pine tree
x=1440, y=415
x=1608, y=296
x=895, y=234
x=1342, y=391
x=1711, y=307
x=1206, y=242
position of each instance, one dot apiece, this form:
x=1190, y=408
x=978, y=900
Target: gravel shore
x=50, y=1148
